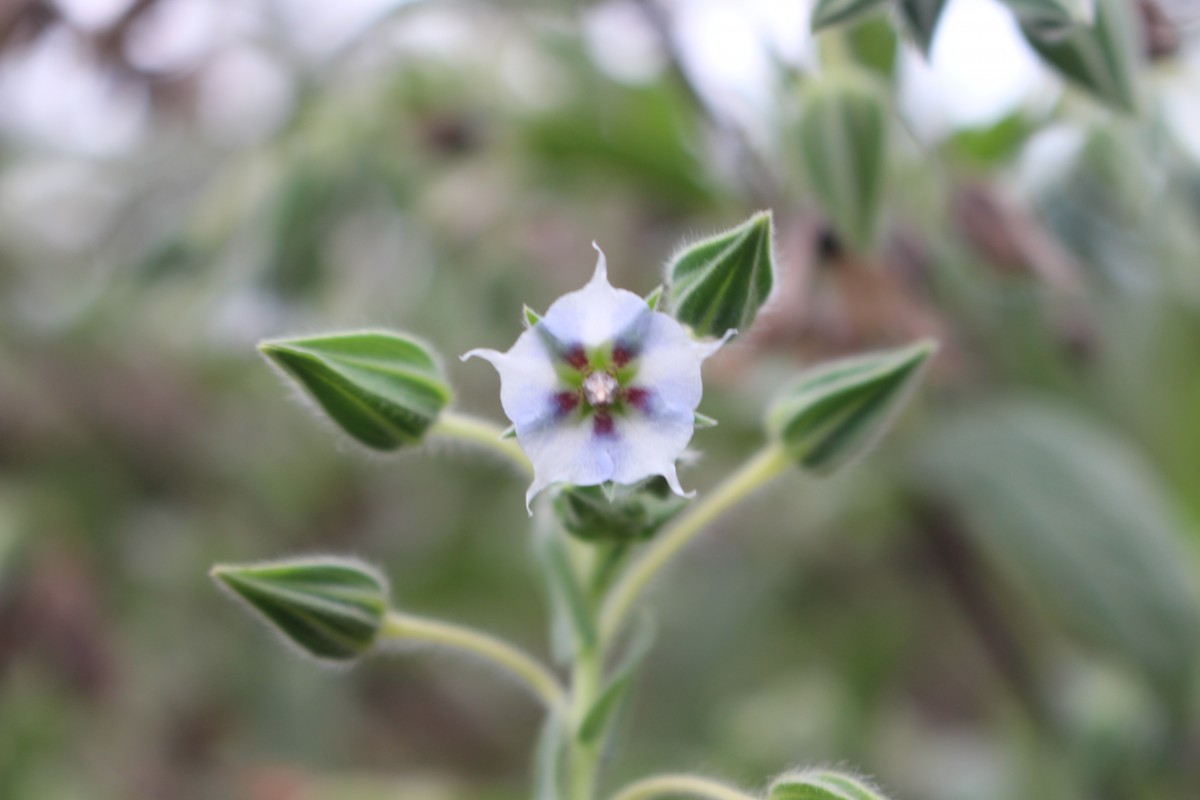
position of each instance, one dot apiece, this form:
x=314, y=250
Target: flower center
x=600, y=389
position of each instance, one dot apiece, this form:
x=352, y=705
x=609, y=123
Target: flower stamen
x=600, y=389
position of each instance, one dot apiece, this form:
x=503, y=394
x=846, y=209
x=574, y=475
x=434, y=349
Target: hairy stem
x=761, y=468
x=400, y=628
x=673, y=785
x=483, y=433
x=586, y=685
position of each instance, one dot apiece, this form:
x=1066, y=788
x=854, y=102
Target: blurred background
x=1001, y=602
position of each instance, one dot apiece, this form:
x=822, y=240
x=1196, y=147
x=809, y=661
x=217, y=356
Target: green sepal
x=509, y=433
x=718, y=284
x=612, y=513
x=600, y=716
x=843, y=149
x=1101, y=58
x=921, y=18
x=329, y=608
x=383, y=389
x=531, y=317
x=836, y=411
x=823, y=784
x=701, y=421
x=836, y=12
x=655, y=298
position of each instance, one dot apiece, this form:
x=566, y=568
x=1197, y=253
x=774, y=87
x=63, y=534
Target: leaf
x=329, y=608
x=718, y=284
x=921, y=18
x=598, y=717
x=383, y=389
x=835, y=12
x=1077, y=521
x=843, y=141
x=823, y=784
x=1101, y=58
x=835, y=411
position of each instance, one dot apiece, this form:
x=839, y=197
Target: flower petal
x=528, y=380
x=565, y=451
x=594, y=314
x=669, y=364
x=643, y=445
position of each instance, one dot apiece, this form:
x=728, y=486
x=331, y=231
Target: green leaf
x=383, y=389
x=843, y=149
x=1053, y=17
x=836, y=411
x=921, y=18
x=718, y=284
x=1078, y=522
x=873, y=44
x=602, y=712
x=330, y=608
x=823, y=784
x=835, y=12
x=1101, y=58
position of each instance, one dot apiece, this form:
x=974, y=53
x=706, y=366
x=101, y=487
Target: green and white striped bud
x=823, y=784
x=383, y=389
x=843, y=149
x=329, y=608
x=836, y=411
x=718, y=284
x=1101, y=58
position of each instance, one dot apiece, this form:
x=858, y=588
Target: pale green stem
x=586, y=684
x=674, y=785
x=481, y=432
x=762, y=467
x=399, y=628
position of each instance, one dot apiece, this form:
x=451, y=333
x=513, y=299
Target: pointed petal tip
x=601, y=273
x=491, y=356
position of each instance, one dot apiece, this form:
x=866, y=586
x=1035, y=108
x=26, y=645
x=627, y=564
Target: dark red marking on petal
x=637, y=397
x=576, y=357
x=602, y=424
x=621, y=356
x=566, y=401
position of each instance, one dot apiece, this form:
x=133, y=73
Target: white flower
x=602, y=388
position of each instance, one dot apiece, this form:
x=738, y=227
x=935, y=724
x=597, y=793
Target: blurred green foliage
x=1000, y=602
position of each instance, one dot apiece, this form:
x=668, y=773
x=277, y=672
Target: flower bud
x=330, y=608
x=630, y=514
x=718, y=284
x=383, y=389
x=836, y=411
x=843, y=148
x=823, y=784
x=1101, y=58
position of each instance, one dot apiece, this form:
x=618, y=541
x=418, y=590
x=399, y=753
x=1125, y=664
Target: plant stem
x=586, y=682
x=481, y=432
x=399, y=628
x=680, y=784
x=762, y=467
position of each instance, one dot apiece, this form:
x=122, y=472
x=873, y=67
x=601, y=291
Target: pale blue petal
x=594, y=314
x=566, y=451
x=669, y=364
x=644, y=445
x=528, y=380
